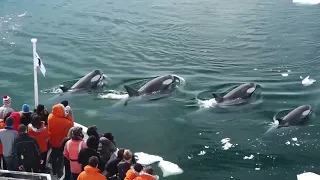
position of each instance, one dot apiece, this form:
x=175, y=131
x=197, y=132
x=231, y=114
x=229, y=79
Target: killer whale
x=298, y=116
x=241, y=92
x=162, y=84
x=92, y=80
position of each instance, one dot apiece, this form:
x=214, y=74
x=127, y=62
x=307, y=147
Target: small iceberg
x=169, y=168
x=308, y=176
x=147, y=159
x=307, y=82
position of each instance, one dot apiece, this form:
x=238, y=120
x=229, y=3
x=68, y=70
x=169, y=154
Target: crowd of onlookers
x=26, y=138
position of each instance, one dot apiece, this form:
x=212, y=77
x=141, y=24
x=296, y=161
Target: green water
x=214, y=45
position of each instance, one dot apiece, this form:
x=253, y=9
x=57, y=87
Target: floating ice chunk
x=248, y=157
x=307, y=82
x=147, y=159
x=169, y=168
x=308, y=176
x=308, y=2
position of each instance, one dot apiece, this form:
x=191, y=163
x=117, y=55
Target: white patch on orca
x=306, y=112
x=251, y=90
x=167, y=82
x=95, y=78
x=307, y=82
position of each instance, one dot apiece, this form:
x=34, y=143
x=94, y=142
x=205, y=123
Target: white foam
x=307, y=82
x=248, y=157
x=113, y=95
x=207, y=103
x=257, y=169
x=308, y=176
x=288, y=143
x=21, y=15
x=285, y=74
x=206, y=147
x=226, y=144
x=294, y=139
x=147, y=159
x=169, y=168
x=307, y=2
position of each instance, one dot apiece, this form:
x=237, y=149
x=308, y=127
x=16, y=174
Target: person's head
x=77, y=133
x=93, y=161
x=137, y=167
x=26, y=108
x=120, y=153
x=93, y=142
x=70, y=132
x=23, y=129
x=36, y=121
x=149, y=170
x=9, y=122
x=40, y=109
x=65, y=103
x=93, y=131
x=6, y=100
x=127, y=155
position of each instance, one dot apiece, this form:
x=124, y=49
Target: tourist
x=16, y=120
x=5, y=109
x=42, y=112
x=3, y=164
x=28, y=151
x=93, y=131
x=111, y=168
x=72, y=149
x=91, y=172
x=37, y=130
x=133, y=172
x=91, y=150
x=59, y=123
x=105, y=149
x=148, y=174
x=7, y=138
x=125, y=164
x=109, y=136
x=66, y=162
x=25, y=115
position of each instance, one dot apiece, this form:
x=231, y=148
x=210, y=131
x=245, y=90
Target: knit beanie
x=26, y=108
x=9, y=121
x=6, y=100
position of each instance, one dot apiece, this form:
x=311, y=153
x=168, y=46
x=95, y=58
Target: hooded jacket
x=105, y=149
x=91, y=173
x=16, y=120
x=131, y=174
x=41, y=135
x=58, y=125
x=146, y=176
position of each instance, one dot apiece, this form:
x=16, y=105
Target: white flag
x=39, y=64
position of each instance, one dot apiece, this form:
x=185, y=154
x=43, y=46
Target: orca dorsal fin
x=131, y=92
x=217, y=97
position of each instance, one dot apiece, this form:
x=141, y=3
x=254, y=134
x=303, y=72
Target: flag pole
x=35, y=73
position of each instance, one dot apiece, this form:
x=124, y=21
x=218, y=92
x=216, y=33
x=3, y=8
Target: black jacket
x=27, y=150
x=84, y=156
x=112, y=167
x=123, y=167
x=25, y=118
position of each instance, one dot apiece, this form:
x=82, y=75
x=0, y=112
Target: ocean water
x=213, y=45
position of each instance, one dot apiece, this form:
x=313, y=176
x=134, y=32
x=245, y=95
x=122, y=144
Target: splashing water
x=112, y=94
